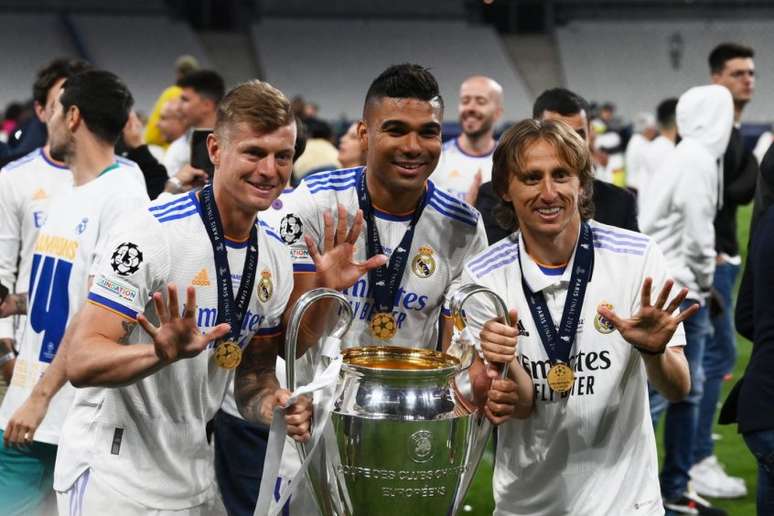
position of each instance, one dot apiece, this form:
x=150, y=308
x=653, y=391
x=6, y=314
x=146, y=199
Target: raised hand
x=652, y=327
x=335, y=265
x=178, y=336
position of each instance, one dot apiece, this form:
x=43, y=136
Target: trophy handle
x=294, y=325
x=480, y=428
x=463, y=294
x=317, y=473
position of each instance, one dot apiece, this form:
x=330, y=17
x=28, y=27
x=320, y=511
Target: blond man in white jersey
x=134, y=441
x=590, y=337
x=88, y=117
x=466, y=161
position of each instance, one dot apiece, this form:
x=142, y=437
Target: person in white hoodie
x=684, y=203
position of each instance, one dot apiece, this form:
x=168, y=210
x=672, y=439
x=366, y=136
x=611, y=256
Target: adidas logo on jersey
x=201, y=279
x=39, y=195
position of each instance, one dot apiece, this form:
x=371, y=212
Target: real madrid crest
x=423, y=263
x=265, y=287
x=600, y=323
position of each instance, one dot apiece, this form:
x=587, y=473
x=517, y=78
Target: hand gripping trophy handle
x=482, y=428
x=342, y=324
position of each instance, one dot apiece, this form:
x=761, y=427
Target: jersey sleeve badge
x=126, y=259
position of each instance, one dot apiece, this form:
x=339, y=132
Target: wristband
x=649, y=352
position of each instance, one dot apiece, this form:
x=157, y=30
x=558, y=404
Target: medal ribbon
x=385, y=280
x=558, y=345
x=230, y=310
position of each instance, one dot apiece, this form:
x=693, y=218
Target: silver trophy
x=401, y=438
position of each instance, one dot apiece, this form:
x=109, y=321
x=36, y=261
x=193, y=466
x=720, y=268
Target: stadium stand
x=345, y=54
x=36, y=39
x=632, y=63
x=140, y=49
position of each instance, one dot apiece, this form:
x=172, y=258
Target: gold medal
x=560, y=377
x=383, y=325
x=228, y=354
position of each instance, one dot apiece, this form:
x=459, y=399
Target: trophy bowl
x=400, y=438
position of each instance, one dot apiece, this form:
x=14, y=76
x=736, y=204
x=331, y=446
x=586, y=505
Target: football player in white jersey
x=427, y=233
x=466, y=161
x=134, y=442
x=89, y=115
x=27, y=186
x=589, y=336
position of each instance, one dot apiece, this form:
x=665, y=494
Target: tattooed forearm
x=255, y=379
x=21, y=303
x=128, y=327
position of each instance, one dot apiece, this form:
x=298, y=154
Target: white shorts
x=90, y=497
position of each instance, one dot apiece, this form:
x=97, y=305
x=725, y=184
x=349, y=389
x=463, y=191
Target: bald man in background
x=466, y=161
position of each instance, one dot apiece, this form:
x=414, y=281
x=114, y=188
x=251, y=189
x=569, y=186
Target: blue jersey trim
x=112, y=305
x=619, y=250
x=51, y=162
x=451, y=215
x=454, y=203
x=179, y=200
x=304, y=267
x=496, y=265
x=488, y=253
x=339, y=188
x=552, y=271
x=506, y=253
x=172, y=209
x=180, y=215
x=270, y=231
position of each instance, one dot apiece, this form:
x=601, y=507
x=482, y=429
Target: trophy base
x=399, y=467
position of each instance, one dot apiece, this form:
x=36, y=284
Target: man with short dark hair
x=612, y=205
x=87, y=118
x=427, y=233
x=26, y=188
x=731, y=65
x=201, y=92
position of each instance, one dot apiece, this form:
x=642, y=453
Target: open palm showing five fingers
x=178, y=336
x=653, y=326
x=335, y=263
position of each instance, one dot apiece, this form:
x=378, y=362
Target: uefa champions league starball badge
x=383, y=326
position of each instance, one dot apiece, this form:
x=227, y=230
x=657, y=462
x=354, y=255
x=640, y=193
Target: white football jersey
x=447, y=234
x=593, y=450
x=62, y=260
x=27, y=186
x=147, y=440
x=456, y=169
